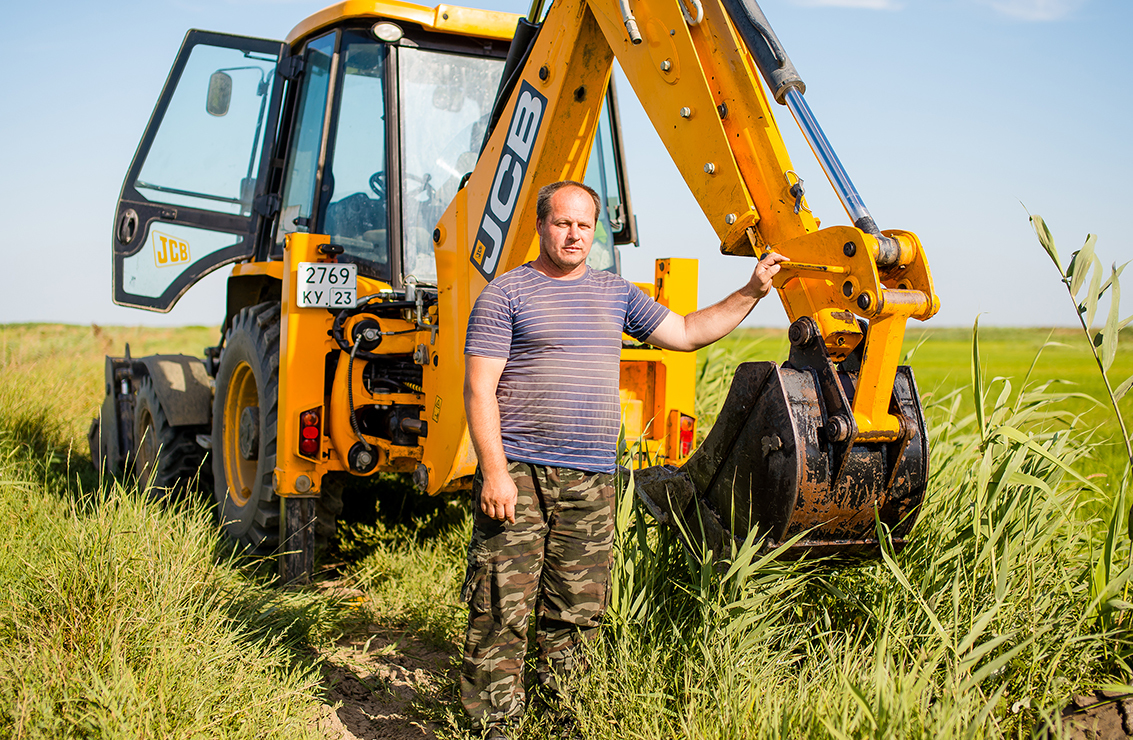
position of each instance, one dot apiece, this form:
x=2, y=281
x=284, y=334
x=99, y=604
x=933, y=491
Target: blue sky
x=953, y=117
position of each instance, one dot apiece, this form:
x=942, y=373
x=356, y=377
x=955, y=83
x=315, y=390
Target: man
x=541, y=395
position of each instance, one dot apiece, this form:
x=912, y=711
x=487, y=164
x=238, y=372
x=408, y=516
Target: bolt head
x=709, y=167
x=666, y=65
x=421, y=477
x=864, y=301
x=838, y=428
x=849, y=249
x=730, y=219
x=302, y=484
x=544, y=73
x=801, y=332
x=686, y=112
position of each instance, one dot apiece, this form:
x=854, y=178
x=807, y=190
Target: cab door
x=194, y=197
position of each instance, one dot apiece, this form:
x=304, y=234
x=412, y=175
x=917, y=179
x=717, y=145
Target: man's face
x=566, y=235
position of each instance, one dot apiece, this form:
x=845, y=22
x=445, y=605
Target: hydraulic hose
x=350, y=398
x=770, y=56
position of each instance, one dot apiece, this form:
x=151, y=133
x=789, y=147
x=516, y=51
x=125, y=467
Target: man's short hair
x=543, y=203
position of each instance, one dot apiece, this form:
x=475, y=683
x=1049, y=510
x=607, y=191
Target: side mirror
x=220, y=94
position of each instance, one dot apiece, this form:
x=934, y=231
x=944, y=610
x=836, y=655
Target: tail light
x=309, y=433
x=688, y=430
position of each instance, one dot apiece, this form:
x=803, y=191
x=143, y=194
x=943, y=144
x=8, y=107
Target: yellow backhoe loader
x=370, y=175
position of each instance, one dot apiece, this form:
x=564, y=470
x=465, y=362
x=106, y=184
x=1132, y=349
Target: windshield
x=446, y=100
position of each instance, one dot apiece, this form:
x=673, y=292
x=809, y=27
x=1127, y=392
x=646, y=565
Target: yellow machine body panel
x=443, y=18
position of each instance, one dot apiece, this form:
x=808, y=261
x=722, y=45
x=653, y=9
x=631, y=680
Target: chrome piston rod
x=788, y=88
x=828, y=160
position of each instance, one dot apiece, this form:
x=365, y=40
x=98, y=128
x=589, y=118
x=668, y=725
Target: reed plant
x=1084, y=270
x=1008, y=600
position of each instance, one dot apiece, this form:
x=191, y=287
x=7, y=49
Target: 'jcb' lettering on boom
x=510, y=171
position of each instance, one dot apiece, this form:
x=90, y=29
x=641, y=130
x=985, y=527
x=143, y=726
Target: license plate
x=326, y=285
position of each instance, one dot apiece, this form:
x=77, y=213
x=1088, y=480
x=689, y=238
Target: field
x=122, y=618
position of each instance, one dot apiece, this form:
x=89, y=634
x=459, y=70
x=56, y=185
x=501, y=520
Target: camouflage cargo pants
x=556, y=559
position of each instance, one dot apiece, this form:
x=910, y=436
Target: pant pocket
x=477, y=588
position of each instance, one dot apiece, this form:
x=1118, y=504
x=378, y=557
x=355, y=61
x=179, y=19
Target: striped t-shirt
x=562, y=340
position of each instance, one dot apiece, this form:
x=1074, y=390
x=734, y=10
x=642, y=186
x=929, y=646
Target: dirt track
x=374, y=684
x=380, y=682
x=1101, y=716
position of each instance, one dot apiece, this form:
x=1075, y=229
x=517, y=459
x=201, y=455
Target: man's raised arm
x=703, y=327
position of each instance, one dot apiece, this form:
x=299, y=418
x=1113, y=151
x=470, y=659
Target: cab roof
x=443, y=18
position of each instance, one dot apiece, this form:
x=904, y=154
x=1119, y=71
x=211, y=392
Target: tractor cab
x=359, y=127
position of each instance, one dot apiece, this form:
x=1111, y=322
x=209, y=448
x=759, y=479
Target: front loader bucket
x=771, y=464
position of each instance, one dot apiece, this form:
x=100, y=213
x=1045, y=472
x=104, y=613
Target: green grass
x=123, y=619
x=1008, y=600
x=120, y=618
x=941, y=362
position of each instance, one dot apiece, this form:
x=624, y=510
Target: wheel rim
x=240, y=474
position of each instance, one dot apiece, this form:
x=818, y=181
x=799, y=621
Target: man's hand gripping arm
x=481, y=378
x=703, y=327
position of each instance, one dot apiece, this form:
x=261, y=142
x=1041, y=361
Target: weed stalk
x=1103, y=345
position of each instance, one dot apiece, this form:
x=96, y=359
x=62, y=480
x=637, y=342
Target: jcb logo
x=168, y=250
x=510, y=171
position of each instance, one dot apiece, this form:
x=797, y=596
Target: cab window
x=306, y=140
x=353, y=199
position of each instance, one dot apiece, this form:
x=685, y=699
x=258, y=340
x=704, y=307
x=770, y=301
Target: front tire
x=244, y=414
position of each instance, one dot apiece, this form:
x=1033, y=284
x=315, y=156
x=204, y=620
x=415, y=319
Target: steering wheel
x=422, y=184
x=378, y=185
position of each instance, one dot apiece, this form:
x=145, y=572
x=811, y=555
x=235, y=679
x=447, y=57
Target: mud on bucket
x=782, y=460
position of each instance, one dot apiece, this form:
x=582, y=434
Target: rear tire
x=244, y=414
x=244, y=431
x=168, y=462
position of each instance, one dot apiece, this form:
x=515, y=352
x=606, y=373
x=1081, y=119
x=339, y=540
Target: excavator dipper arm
x=818, y=445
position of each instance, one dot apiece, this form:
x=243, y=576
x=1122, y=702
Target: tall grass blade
x=1080, y=264
x=1090, y=306
x=1109, y=333
x=1047, y=240
x=1122, y=389
x=1113, y=277
x=977, y=379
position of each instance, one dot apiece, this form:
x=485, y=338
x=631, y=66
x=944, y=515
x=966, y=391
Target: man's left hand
x=766, y=269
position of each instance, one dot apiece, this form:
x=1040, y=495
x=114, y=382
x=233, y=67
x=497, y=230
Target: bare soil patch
x=382, y=683
x=377, y=687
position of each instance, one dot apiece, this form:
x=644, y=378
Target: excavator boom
x=818, y=447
